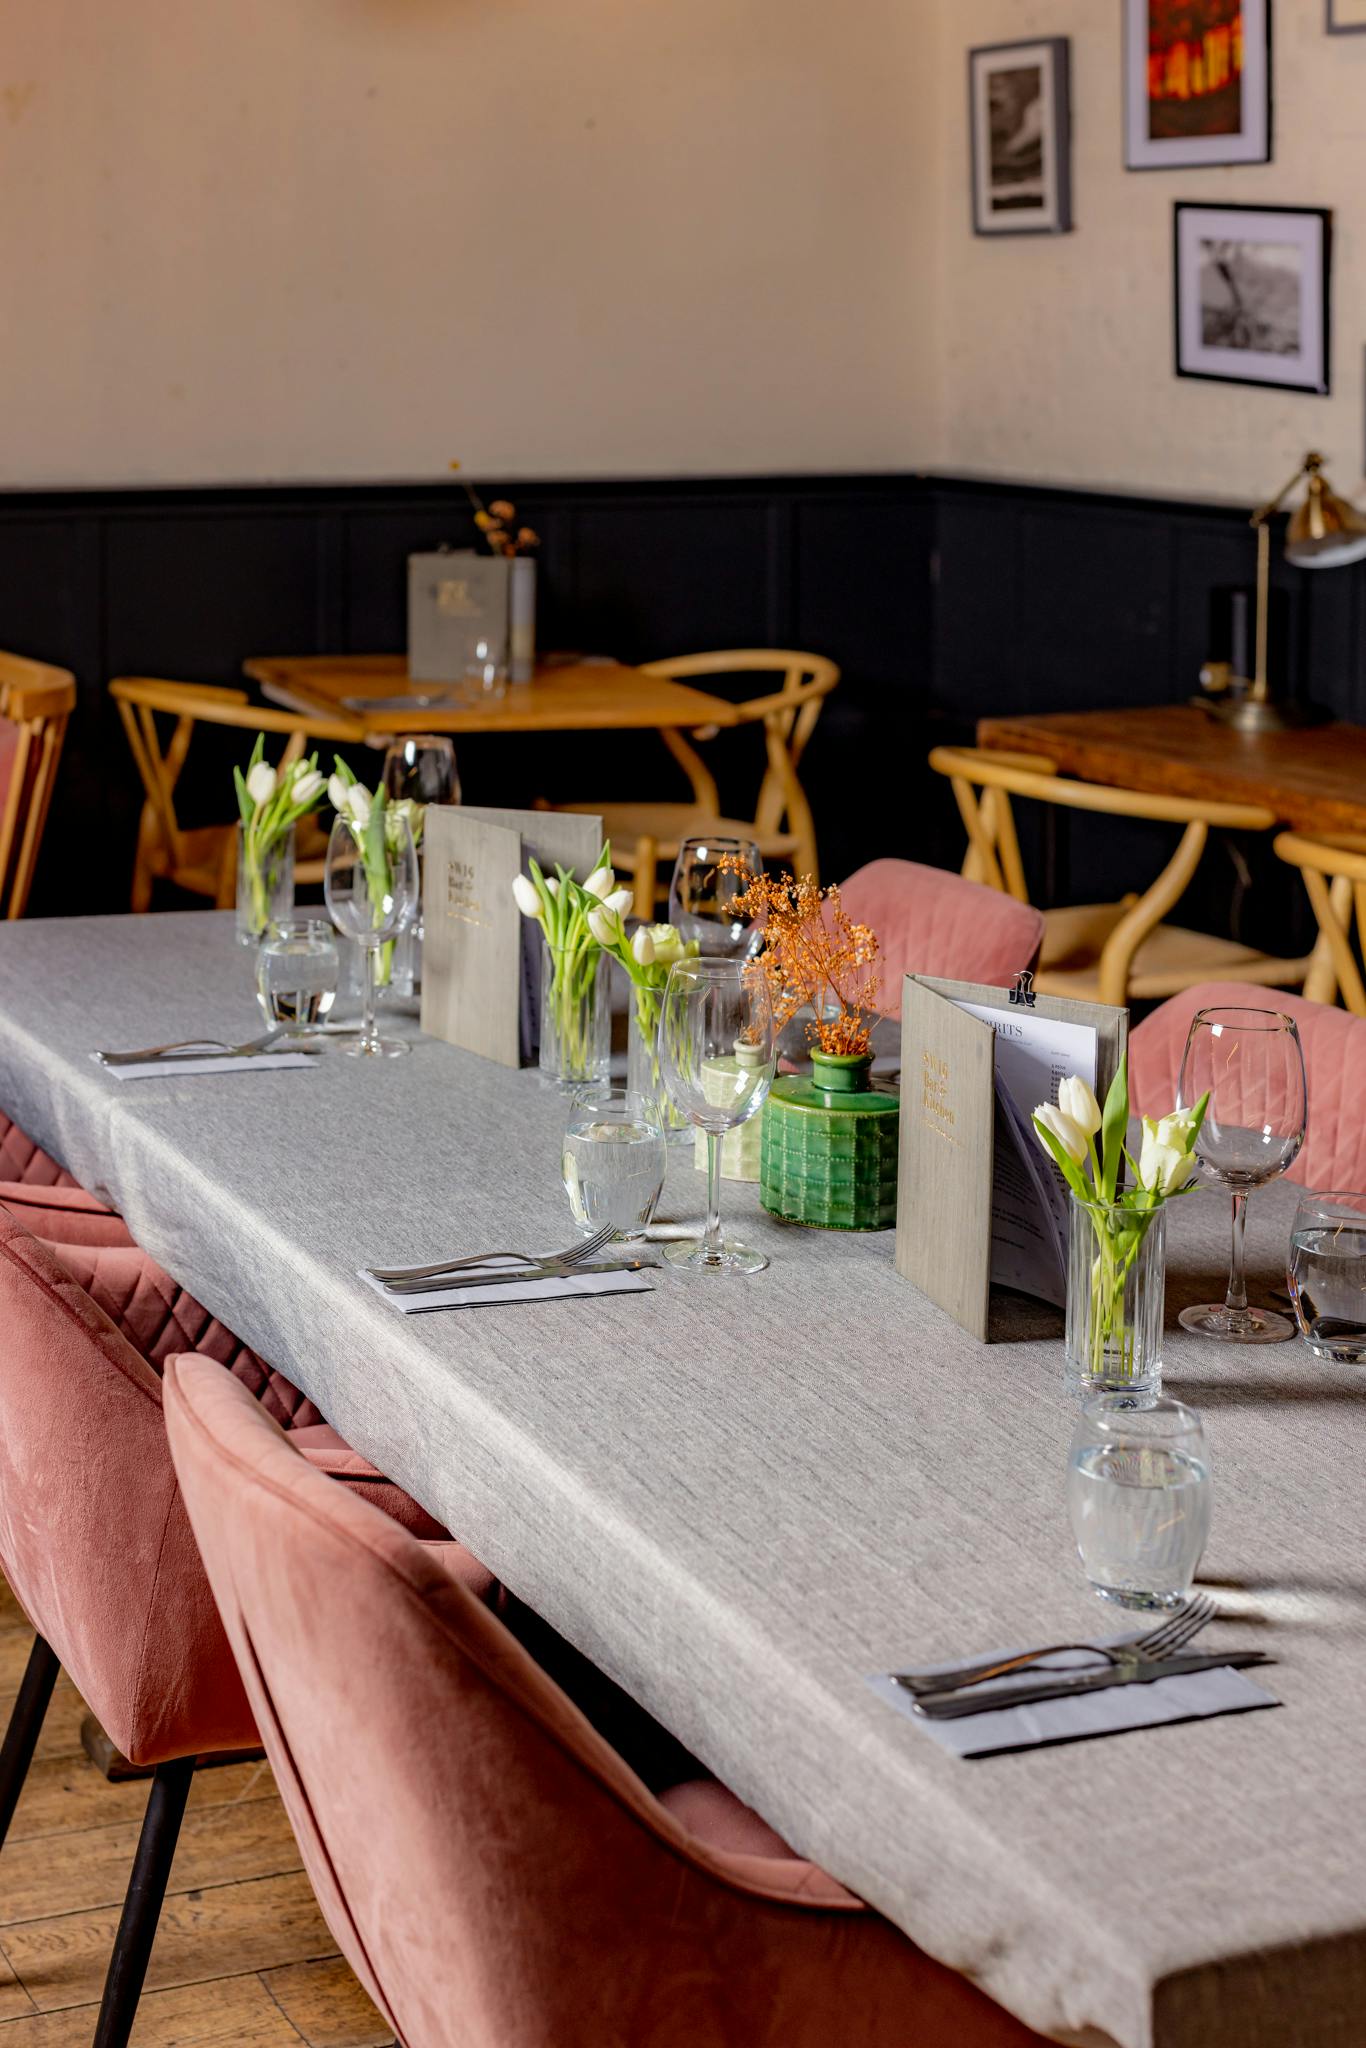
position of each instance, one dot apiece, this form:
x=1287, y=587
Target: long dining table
x=743, y=1498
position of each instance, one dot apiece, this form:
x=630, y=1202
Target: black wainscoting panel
x=941, y=600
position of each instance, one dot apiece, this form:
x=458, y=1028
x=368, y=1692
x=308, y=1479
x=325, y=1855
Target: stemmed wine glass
x=370, y=883
x=421, y=766
x=1251, y=1063
x=716, y=1054
x=704, y=892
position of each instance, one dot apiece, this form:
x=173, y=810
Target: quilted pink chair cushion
x=929, y=921
x=1334, y=1151
x=63, y=1214
x=515, y=1874
x=21, y=1159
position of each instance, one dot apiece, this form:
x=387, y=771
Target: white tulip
x=605, y=926
x=643, y=947
x=1076, y=1100
x=1165, y=1163
x=261, y=783
x=308, y=787
x=336, y=792
x=620, y=900
x=528, y=901
x=601, y=882
x=1069, y=1135
x=358, y=804
x=552, y=884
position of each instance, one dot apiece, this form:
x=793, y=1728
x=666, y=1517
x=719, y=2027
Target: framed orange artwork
x=1197, y=83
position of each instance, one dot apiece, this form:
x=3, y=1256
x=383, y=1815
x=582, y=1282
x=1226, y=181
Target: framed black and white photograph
x=1252, y=294
x=1020, y=125
x=1346, y=17
x=1197, y=83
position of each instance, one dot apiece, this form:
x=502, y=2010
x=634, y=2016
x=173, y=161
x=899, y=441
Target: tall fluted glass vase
x=1116, y=1289
x=265, y=883
x=576, y=1018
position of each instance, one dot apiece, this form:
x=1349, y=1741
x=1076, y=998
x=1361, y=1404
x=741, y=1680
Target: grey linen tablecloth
x=742, y=1498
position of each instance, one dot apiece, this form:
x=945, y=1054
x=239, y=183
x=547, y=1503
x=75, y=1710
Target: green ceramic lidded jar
x=830, y=1145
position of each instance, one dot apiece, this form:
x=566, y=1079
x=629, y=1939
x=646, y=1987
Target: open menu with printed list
x=980, y=1204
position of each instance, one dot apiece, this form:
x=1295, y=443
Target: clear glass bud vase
x=265, y=885
x=576, y=1015
x=1116, y=1288
x=644, y=1080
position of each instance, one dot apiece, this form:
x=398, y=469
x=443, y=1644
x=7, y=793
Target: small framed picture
x=1346, y=17
x=1252, y=294
x=1197, y=82
x=1020, y=124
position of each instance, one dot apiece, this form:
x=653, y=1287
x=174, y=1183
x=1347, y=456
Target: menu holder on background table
x=456, y=600
x=980, y=1206
x=481, y=958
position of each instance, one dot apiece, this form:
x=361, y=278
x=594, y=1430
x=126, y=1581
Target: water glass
x=486, y=671
x=613, y=1162
x=1138, y=1492
x=710, y=876
x=1327, y=1275
x=297, y=970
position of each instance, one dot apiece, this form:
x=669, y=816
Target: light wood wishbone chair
x=1334, y=872
x=202, y=858
x=644, y=834
x=36, y=703
x=1108, y=952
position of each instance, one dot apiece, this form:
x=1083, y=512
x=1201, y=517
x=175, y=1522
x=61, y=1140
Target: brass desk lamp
x=1325, y=532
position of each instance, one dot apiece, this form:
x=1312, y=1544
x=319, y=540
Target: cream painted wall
x=1056, y=352
x=256, y=239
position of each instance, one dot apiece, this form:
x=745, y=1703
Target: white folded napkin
x=212, y=1063
x=515, y=1290
x=1195, y=1697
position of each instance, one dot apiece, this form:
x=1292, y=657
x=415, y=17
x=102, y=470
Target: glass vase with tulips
x=575, y=1019
x=270, y=803
x=646, y=956
x=357, y=806
x=1116, y=1272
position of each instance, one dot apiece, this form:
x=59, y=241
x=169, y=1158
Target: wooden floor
x=243, y=1958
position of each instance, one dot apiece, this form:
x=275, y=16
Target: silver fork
x=1160, y=1642
x=582, y=1248
x=216, y=1048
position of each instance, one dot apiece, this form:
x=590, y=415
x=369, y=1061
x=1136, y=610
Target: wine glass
x=421, y=767
x=370, y=882
x=716, y=1053
x=1251, y=1064
x=703, y=896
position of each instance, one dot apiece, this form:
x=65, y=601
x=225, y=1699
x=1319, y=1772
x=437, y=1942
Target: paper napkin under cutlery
x=524, y=1289
x=212, y=1063
x=1197, y=1696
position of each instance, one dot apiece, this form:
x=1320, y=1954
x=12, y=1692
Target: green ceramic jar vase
x=830, y=1146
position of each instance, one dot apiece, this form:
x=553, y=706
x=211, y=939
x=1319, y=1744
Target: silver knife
x=1063, y=1685
x=513, y=1278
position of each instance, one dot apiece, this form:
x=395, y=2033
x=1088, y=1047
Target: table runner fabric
x=741, y=1500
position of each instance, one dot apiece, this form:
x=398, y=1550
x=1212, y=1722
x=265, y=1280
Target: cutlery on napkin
x=503, y=1280
x=177, y=1065
x=1059, y=1685
x=1174, y=1694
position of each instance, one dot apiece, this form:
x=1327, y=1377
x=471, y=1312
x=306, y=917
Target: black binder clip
x=1023, y=991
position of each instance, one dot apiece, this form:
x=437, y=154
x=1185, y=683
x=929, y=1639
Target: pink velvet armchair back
x=94, y=1538
x=495, y=1874
x=1334, y=1041
x=929, y=921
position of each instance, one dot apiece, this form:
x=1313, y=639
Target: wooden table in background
x=1313, y=779
x=579, y=696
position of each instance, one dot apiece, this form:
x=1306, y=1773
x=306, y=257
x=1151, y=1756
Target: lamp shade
x=1325, y=532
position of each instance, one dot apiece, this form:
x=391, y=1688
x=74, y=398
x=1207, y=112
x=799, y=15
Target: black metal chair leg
x=142, y=1904
x=25, y=1726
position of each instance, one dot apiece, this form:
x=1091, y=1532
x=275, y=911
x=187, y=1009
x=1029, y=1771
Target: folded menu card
x=481, y=959
x=515, y=1290
x=1196, y=1697
x=979, y=1202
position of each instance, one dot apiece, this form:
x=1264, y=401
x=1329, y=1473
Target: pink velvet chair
x=1334, y=1041
x=24, y=1161
x=95, y=1543
x=495, y=1874
x=929, y=921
